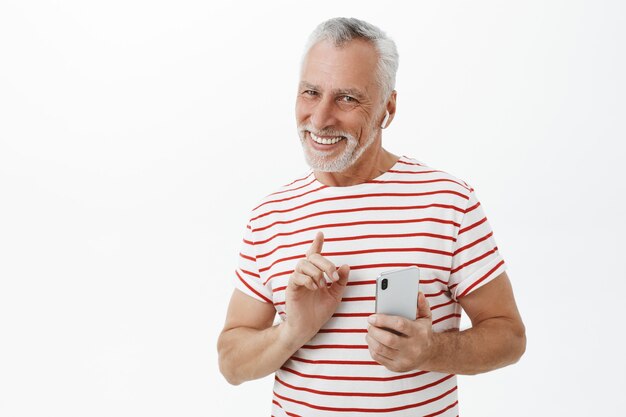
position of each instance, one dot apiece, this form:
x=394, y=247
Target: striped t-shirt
x=410, y=215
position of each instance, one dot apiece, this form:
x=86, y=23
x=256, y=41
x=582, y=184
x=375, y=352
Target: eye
x=347, y=99
x=311, y=93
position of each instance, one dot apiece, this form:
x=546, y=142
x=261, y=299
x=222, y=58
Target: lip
x=322, y=147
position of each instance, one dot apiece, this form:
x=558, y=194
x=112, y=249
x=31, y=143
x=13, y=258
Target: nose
x=323, y=114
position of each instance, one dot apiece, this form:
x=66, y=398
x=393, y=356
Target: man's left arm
x=497, y=337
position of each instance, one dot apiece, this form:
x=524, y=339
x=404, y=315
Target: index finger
x=316, y=246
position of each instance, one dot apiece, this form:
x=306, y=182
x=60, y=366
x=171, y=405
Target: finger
x=325, y=265
x=396, y=323
x=379, y=352
x=298, y=279
x=307, y=268
x=385, y=338
x=423, y=307
x=337, y=288
x=316, y=246
x=344, y=273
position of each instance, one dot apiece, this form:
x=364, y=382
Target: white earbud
x=384, y=123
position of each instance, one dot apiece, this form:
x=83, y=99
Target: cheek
x=303, y=109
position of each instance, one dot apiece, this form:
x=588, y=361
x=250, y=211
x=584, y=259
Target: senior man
x=313, y=249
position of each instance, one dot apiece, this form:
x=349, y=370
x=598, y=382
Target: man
x=313, y=250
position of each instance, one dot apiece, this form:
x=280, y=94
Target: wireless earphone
x=384, y=123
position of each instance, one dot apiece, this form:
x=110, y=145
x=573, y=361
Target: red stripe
x=364, y=394
x=252, y=274
x=358, y=299
x=367, y=410
x=415, y=182
x=293, y=189
x=252, y=289
x=334, y=362
x=299, y=179
x=400, y=265
x=468, y=289
x=355, y=378
x=399, y=171
x=470, y=227
x=342, y=331
x=287, y=199
x=483, y=256
x=368, y=298
x=368, y=282
x=472, y=208
x=409, y=163
x=358, y=209
x=359, y=252
x=349, y=197
x=250, y=258
x=287, y=412
x=330, y=225
x=474, y=243
x=334, y=347
x=352, y=314
x=357, y=267
x=449, y=316
x=443, y=410
x=442, y=305
x=337, y=239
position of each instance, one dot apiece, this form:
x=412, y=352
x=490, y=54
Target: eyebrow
x=338, y=92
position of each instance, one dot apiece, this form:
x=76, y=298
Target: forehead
x=352, y=65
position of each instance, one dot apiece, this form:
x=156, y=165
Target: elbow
x=228, y=373
x=230, y=378
x=226, y=367
x=519, y=347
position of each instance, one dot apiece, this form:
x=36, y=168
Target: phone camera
x=383, y=284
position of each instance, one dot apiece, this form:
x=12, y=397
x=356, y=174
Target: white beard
x=322, y=161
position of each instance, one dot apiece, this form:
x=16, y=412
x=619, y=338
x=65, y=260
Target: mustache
x=324, y=132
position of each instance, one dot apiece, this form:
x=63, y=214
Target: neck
x=369, y=166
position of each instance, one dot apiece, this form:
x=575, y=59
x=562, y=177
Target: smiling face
x=339, y=106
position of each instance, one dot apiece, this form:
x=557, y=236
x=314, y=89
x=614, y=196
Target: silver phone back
x=400, y=296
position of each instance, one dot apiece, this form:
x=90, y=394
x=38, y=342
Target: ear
x=390, y=110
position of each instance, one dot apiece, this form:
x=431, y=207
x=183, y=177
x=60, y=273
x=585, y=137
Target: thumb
x=423, y=308
x=316, y=246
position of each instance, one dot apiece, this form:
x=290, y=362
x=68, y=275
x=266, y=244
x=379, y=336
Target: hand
x=310, y=302
x=407, y=350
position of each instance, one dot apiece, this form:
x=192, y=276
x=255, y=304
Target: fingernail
x=371, y=319
x=335, y=276
x=322, y=283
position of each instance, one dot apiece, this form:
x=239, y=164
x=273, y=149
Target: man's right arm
x=250, y=347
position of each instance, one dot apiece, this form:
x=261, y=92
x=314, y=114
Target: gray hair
x=341, y=30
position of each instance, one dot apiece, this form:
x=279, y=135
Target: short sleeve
x=475, y=258
x=247, y=278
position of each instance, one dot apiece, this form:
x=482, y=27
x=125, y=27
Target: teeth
x=325, y=141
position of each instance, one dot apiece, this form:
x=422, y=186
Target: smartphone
x=396, y=292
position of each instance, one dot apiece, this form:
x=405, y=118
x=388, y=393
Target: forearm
x=246, y=353
x=492, y=344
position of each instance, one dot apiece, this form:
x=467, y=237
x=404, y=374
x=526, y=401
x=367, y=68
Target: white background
x=135, y=136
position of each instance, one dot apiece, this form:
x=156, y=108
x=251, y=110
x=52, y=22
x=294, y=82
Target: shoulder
x=408, y=167
x=300, y=185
